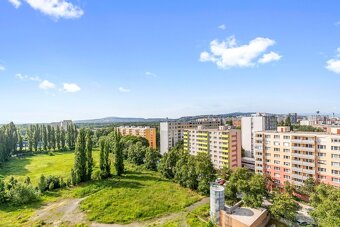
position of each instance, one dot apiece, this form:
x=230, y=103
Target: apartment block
x=62, y=124
x=172, y=132
x=255, y=123
x=295, y=156
x=222, y=144
x=146, y=132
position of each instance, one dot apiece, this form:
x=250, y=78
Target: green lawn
x=33, y=166
x=138, y=195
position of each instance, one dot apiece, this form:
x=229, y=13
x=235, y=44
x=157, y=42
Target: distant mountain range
x=108, y=120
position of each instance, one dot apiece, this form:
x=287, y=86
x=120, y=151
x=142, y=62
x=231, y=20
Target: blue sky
x=86, y=59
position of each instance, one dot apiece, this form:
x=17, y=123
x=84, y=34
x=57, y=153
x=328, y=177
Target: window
x=286, y=177
x=336, y=172
x=277, y=168
x=286, y=144
x=277, y=175
x=286, y=163
x=276, y=137
x=276, y=156
x=276, y=162
x=335, y=140
x=286, y=157
x=336, y=164
x=322, y=169
x=336, y=180
x=322, y=162
x=287, y=170
x=286, y=150
x=277, y=149
x=286, y=137
x=335, y=148
x=335, y=155
x=277, y=143
x=322, y=147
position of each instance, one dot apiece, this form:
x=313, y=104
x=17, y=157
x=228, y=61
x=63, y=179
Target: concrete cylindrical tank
x=216, y=202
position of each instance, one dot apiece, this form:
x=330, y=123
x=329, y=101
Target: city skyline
x=84, y=60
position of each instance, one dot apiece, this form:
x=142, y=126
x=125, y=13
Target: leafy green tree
x=151, y=159
x=42, y=185
x=167, y=165
x=63, y=139
x=238, y=183
x=255, y=192
x=20, y=142
x=30, y=134
x=206, y=172
x=104, y=163
x=288, y=187
x=288, y=121
x=118, y=153
x=136, y=153
x=284, y=206
x=45, y=137
x=225, y=173
x=53, y=139
x=2, y=191
x=58, y=138
x=80, y=157
x=326, y=202
x=308, y=187
x=89, y=146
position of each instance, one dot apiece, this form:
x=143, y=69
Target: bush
x=42, y=184
x=51, y=186
x=22, y=194
x=50, y=153
x=2, y=191
x=96, y=175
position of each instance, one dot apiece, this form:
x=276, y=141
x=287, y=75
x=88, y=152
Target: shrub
x=2, y=191
x=96, y=175
x=22, y=194
x=42, y=184
x=50, y=153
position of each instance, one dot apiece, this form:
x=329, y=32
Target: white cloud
x=15, y=3
x=272, y=56
x=150, y=74
x=71, y=87
x=222, y=27
x=227, y=54
x=121, y=89
x=45, y=85
x=26, y=77
x=53, y=8
x=2, y=68
x=333, y=64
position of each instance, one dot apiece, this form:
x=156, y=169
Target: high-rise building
x=255, y=123
x=146, y=132
x=295, y=156
x=171, y=132
x=222, y=144
x=293, y=118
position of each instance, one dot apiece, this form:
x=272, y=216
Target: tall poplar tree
x=57, y=137
x=89, y=146
x=118, y=153
x=63, y=139
x=80, y=157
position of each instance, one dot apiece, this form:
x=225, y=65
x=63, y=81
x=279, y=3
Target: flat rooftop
x=247, y=215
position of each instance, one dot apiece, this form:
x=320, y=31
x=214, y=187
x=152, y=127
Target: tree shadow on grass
x=16, y=166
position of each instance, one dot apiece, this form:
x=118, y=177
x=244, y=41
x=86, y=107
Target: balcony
x=299, y=177
x=297, y=183
x=303, y=141
x=303, y=148
x=296, y=169
x=303, y=155
x=259, y=168
x=309, y=171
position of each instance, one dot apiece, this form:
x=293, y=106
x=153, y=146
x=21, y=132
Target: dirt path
x=67, y=212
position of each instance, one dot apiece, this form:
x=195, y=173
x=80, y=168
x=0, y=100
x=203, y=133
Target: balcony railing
x=303, y=148
x=303, y=141
x=299, y=177
x=303, y=155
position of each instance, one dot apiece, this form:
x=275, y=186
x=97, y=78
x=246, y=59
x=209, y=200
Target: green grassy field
x=138, y=195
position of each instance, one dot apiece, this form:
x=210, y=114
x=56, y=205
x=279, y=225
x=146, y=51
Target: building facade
x=250, y=125
x=295, y=156
x=172, y=132
x=222, y=144
x=146, y=132
x=62, y=124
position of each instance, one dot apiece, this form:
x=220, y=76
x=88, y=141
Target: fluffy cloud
x=227, y=54
x=26, y=77
x=121, y=89
x=222, y=27
x=53, y=8
x=150, y=74
x=71, y=87
x=45, y=85
x=334, y=63
x=2, y=68
x=15, y=3
x=272, y=56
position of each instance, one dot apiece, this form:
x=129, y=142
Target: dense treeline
x=37, y=138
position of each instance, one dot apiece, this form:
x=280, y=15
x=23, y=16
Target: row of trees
x=46, y=137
